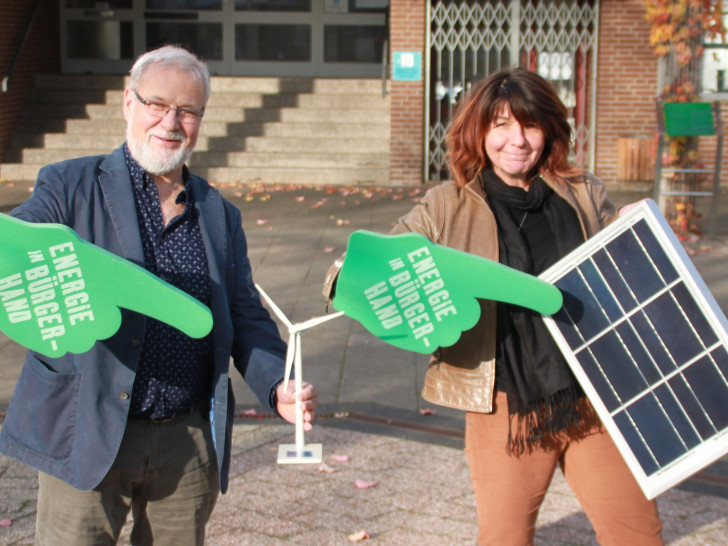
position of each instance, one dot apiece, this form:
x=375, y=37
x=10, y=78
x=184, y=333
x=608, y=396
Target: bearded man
x=143, y=420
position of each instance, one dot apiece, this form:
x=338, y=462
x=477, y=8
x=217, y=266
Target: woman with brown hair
x=515, y=198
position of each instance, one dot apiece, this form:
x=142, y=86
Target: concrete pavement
x=370, y=405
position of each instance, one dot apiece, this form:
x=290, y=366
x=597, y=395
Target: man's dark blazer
x=68, y=414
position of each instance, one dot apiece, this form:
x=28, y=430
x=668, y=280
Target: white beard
x=158, y=163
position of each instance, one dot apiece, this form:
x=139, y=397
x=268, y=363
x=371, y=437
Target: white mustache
x=168, y=136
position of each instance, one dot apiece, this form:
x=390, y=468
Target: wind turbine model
x=298, y=452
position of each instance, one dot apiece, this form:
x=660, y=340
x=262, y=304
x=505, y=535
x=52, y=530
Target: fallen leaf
x=250, y=412
x=324, y=468
x=342, y=222
x=363, y=484
x=6, y=522
x=329, y=249
x=238, y=193
x=340, y=458
x=261, y=222
x=358, y=536
x=300, y=198
x=320, y=203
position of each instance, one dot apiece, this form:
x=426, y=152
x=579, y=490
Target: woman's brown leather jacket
x=462, y=376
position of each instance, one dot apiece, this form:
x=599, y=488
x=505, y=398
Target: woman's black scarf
x=535, y=229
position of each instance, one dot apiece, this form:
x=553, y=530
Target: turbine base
x=290, y=454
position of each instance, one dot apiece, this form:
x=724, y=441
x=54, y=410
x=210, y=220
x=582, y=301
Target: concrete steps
x=319, y=176
x=272, y=144
x=212, y=128
x=270, y=130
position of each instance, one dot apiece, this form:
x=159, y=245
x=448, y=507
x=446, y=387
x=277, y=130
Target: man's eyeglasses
x=159, y=110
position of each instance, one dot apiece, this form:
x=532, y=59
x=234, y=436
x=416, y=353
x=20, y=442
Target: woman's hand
x=626, y=208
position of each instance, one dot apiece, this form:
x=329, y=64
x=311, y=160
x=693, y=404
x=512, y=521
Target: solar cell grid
x=648, y=343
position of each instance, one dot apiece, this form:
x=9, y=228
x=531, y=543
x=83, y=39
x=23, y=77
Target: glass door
x=97, y=37
x=105, y=37
x=196, y=25
x=272, y=38
x=353, y=39
x=329, y=38
x=313, y=38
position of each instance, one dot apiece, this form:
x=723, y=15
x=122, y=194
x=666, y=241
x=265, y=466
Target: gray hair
x=171, y=56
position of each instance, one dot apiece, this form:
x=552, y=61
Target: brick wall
x=407, y=33
x=40, y=55
x=626, y=81
x=627, y=88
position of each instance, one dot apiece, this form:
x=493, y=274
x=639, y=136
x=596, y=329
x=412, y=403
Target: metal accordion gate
x=470, y=39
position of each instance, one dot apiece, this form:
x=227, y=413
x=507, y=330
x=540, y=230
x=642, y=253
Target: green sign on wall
x=59, y=293
x=689, y=119
x=407, y=66
x=418, y=296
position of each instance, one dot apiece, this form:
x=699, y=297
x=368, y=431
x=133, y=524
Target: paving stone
x=423, y=495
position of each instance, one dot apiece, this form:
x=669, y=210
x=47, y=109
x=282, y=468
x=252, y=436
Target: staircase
x=255, y=130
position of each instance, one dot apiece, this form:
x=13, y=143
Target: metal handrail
x=21, y=45
x=385, y=66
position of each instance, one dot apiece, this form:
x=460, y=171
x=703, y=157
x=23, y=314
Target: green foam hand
x=59, y=293
x=418, y=296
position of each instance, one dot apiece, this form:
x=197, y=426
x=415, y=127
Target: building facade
x=596, y=52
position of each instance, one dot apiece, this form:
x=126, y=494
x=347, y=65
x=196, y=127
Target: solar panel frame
x=633, y=296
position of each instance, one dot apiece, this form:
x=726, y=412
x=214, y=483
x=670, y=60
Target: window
x=268, y=42
x=715, y=63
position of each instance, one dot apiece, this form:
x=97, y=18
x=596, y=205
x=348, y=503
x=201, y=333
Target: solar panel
x=649, y=346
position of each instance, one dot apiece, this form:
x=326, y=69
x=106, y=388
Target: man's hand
x=286, y=405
